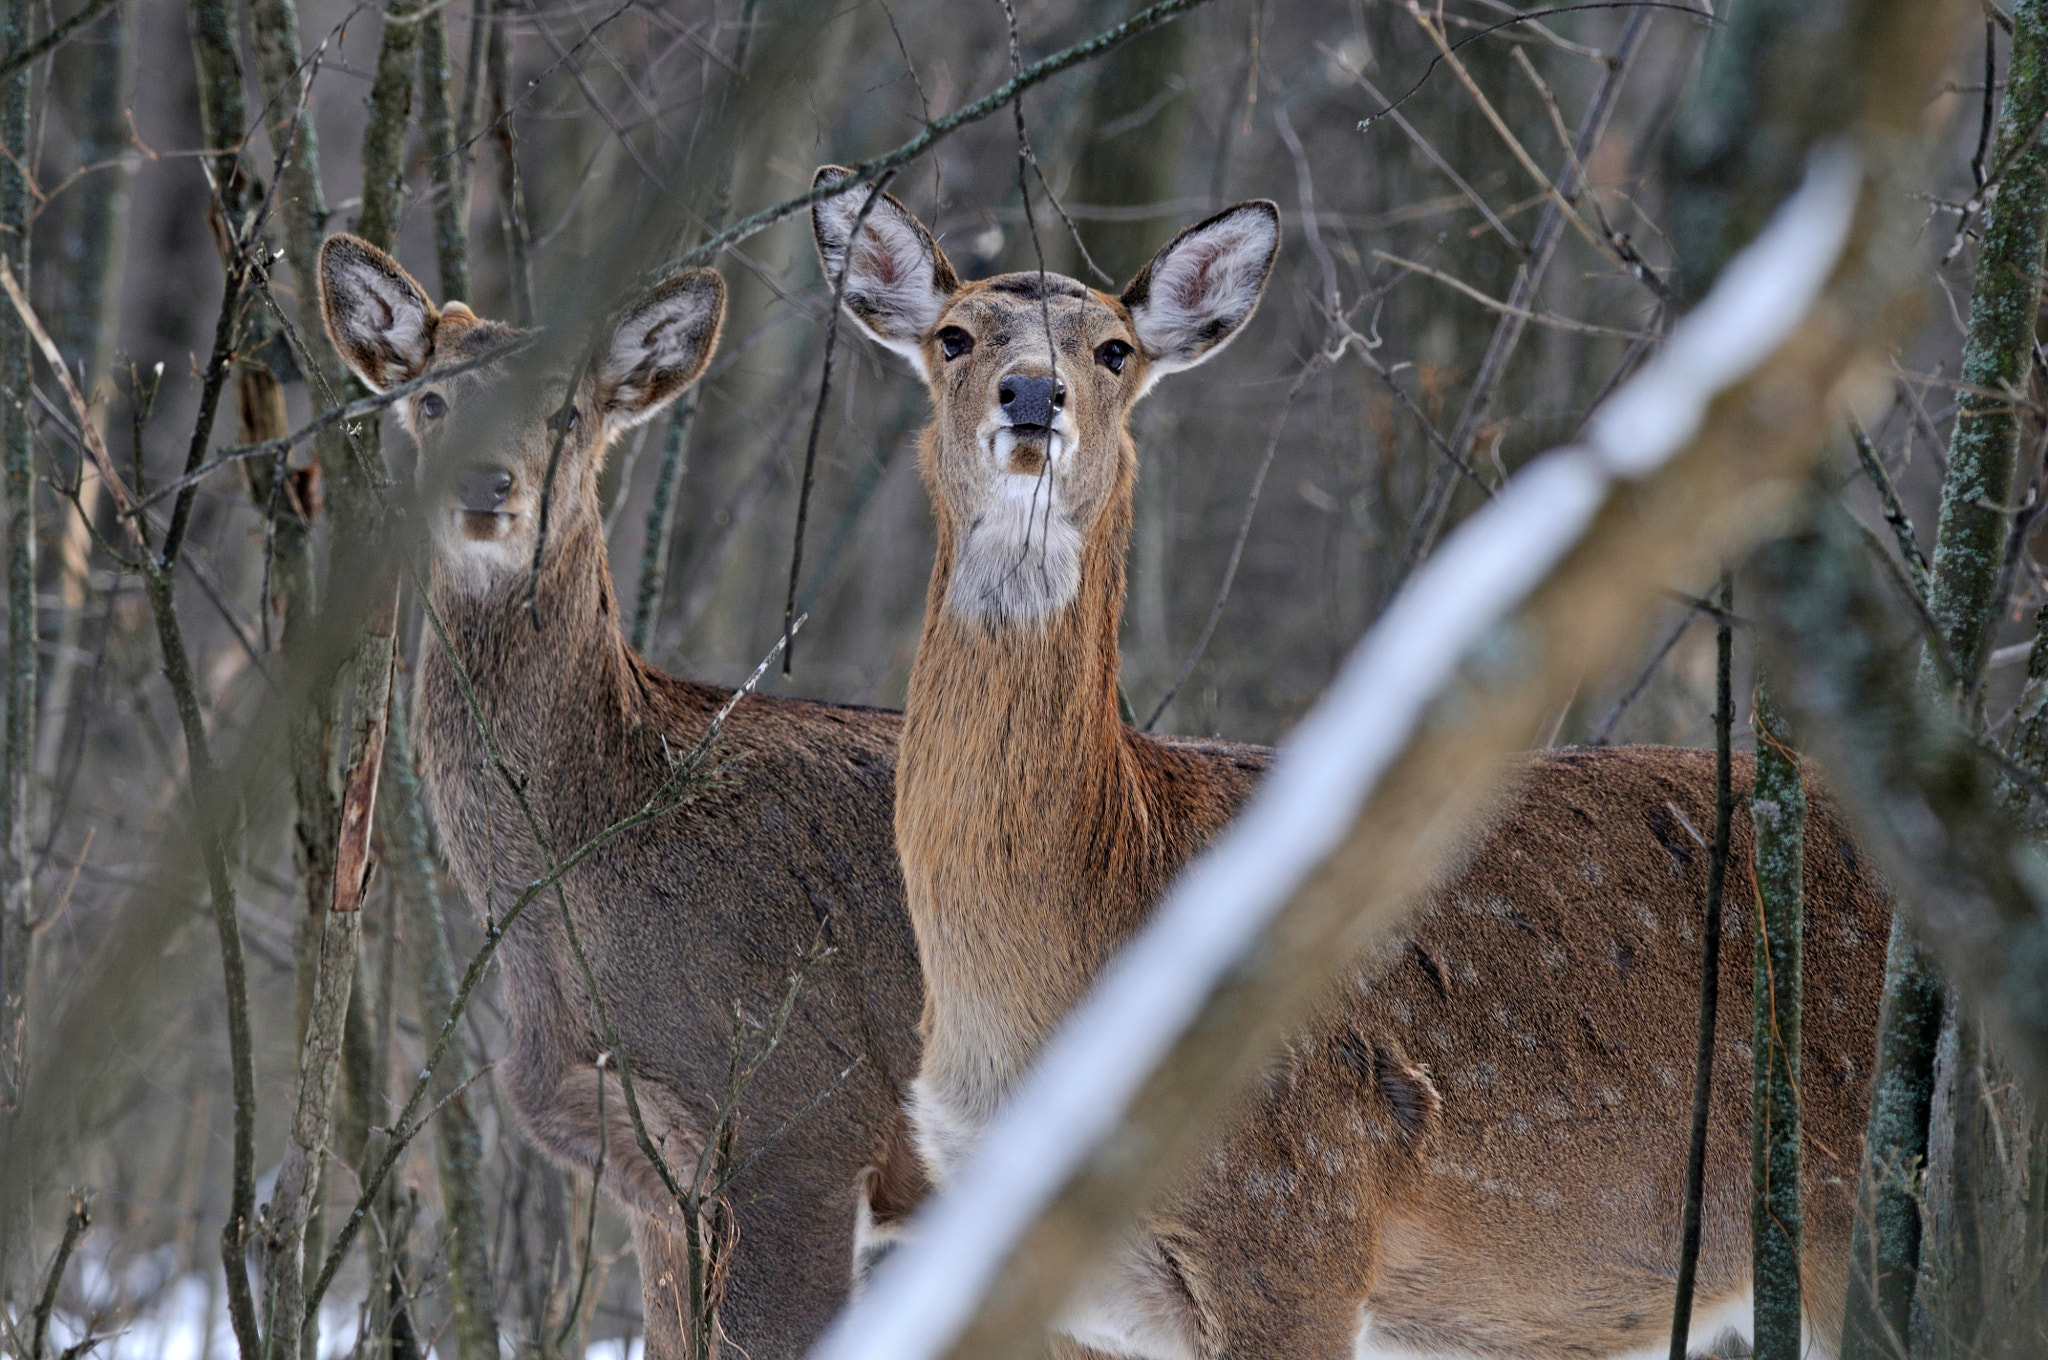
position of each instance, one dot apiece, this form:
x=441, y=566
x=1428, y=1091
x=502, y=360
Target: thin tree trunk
x=446, y=161
x=1777, y=809
x=1710, y=973
x=88, y=325
x=17, y=865
x=1969, y=547
x=384, y=135
x=511, y=197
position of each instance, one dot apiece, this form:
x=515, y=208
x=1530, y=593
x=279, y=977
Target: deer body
x=1475, y=1146
x=690, y=919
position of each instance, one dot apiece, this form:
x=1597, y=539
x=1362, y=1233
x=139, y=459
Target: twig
x=1522, y=18
x=1710, y=975
x=1244, y=528
x=1605, y=731
x=803, y=496
x=87, y=428
x=14, y=62
x=1507, y=335
x=1894, y=512
x=75, y=1226
x=340, y=415
x=1428, y=149
x=1563, y=323
x=869, y=170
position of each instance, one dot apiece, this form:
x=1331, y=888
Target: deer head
x=1033, y=378
x=486, y=435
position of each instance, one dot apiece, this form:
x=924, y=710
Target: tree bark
x=1969, y=547
x=18, y=765
x=1777, y=809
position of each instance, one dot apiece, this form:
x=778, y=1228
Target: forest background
x=525, y=157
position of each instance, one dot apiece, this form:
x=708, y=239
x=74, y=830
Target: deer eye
x=432, y=406
x=954, y=342
x=558, y=423
x=1111, y=355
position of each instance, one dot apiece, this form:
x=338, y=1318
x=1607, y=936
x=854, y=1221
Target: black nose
x=482, y=488
x=1028, y=403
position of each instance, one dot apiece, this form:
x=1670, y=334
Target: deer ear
x=660, y=345
x=379, y=319
x=1203, y=285
x=897, y=278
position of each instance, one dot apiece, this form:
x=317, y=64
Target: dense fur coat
x=689, y=920
x=1476, y=1145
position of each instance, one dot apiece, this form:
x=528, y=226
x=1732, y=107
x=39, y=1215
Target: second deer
x=689, y=921
x=1475, y=1149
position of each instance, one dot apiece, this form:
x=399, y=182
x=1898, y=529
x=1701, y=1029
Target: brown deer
x=688, y=919
x=1476, y=1146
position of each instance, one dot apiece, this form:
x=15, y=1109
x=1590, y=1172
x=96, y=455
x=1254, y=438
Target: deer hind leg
x=571, y=1127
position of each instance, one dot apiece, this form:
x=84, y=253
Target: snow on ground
x=185, y=1317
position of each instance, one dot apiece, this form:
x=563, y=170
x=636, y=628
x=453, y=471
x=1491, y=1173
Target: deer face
x=1033, y=377
x=486, y=436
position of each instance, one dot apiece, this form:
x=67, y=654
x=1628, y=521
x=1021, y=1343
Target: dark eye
x=954, y=342
x=432, y=406
x=1111, y=355
x=561, y=424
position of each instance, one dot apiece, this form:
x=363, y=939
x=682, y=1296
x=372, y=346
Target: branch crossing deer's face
x=1032, y=377
x=486, y=435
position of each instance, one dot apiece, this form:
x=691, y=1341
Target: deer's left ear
x=1203, y=285
x=659, y=346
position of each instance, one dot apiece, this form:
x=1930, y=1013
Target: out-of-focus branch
x=1681, y=466
x=19, y=57
x=1961, y=585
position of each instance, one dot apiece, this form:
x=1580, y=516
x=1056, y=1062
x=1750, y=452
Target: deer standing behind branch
x=1474, y=1147
x=692, y=919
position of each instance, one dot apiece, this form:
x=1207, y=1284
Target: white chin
x=1020, y=560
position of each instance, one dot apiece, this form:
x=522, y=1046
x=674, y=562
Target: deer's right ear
x=897, y=278
x=379, y=319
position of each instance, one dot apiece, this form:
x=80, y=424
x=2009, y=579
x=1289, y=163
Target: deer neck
x=554, y=681
x=1013, y=785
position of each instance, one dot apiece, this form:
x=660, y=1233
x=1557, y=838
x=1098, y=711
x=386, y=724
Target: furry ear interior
x=379, y=319
x=1203, y=285
x=660, y=345
x=897, y=278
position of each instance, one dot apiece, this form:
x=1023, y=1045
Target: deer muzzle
x=482, y=489
x=1029, y=403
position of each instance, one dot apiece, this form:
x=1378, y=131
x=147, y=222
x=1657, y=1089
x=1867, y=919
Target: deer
x=1474, y=1145
x=784, y=858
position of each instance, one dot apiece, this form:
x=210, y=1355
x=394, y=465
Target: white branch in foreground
x=925, y=1292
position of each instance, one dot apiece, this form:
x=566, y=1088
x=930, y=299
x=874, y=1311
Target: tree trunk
x=1777, y=808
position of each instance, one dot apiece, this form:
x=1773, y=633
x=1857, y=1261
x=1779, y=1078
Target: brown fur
x=683, y=918
x=1476, y=1144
